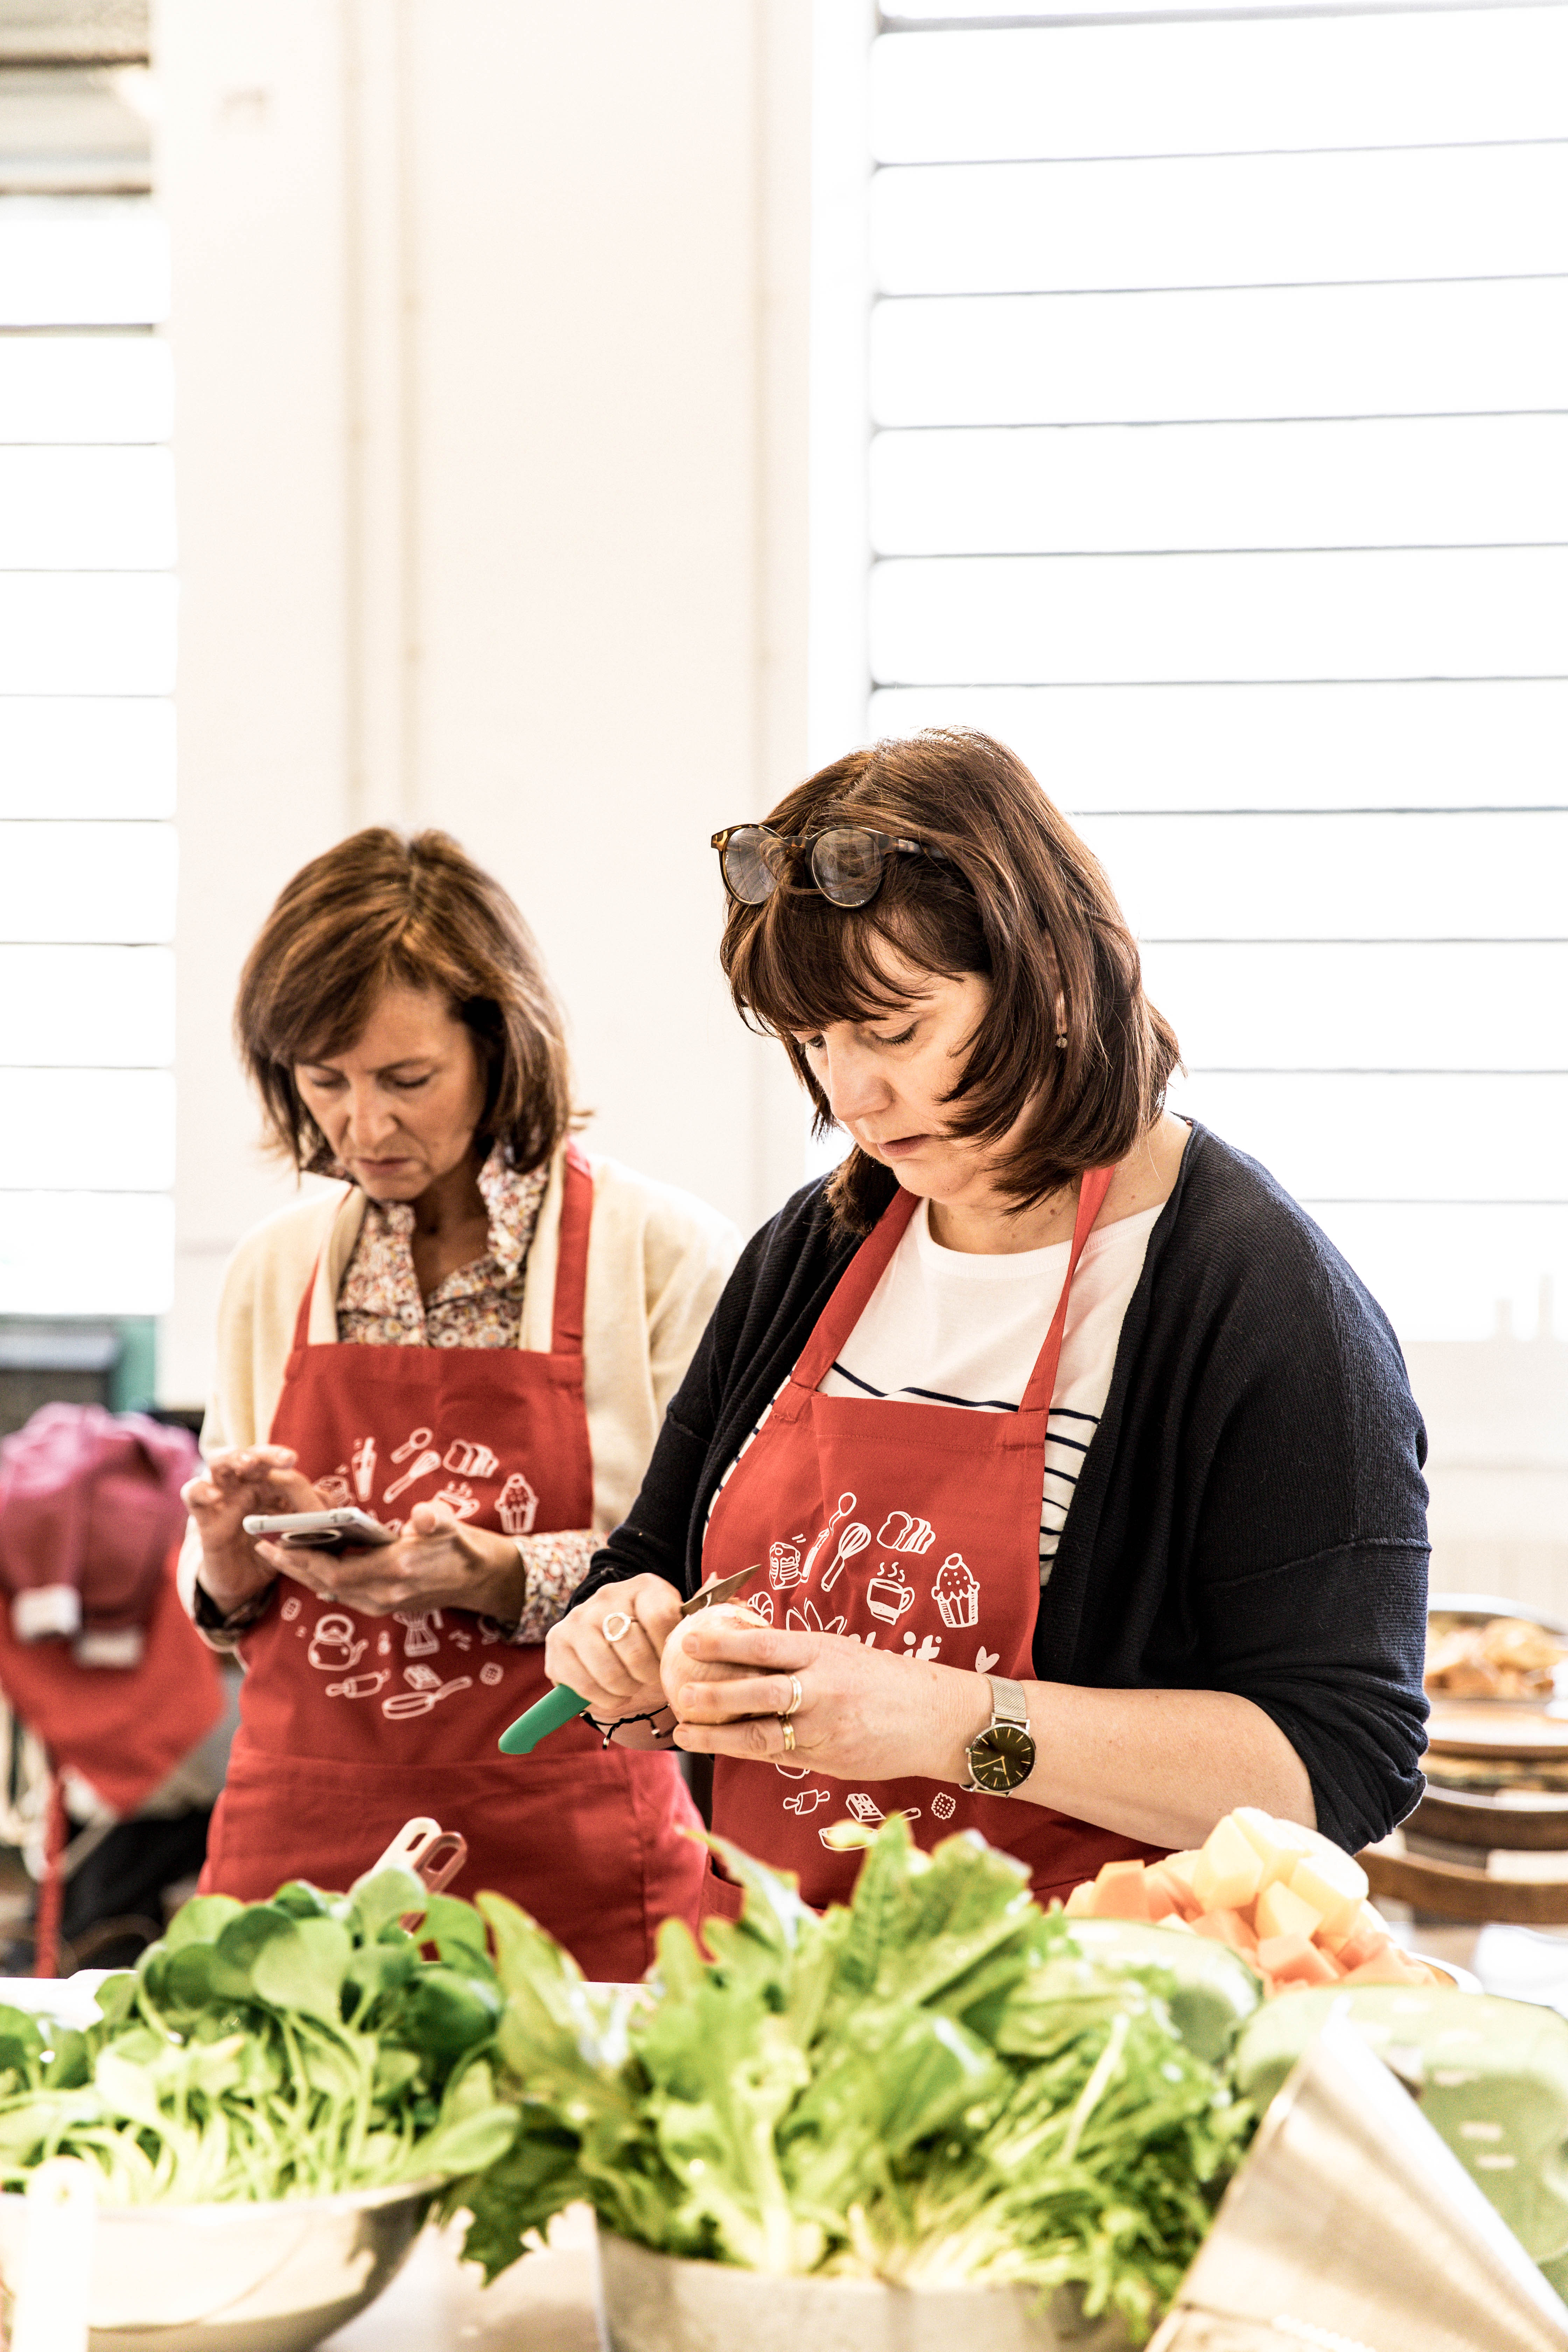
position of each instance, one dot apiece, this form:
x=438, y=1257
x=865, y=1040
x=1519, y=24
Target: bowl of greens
x=930, y=2116
x=269, y=2105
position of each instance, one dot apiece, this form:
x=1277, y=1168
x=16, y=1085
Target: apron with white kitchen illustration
x=350, y=1723
x=916, y=1529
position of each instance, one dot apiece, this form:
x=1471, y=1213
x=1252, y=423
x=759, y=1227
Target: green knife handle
x=524, y=1737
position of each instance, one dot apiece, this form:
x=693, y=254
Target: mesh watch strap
x=1009, y=1701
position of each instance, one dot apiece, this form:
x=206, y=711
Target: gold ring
x=795, y=1701
x=616, y=1625
x=787, y=1727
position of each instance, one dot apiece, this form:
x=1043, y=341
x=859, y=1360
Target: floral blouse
x=477, y=1306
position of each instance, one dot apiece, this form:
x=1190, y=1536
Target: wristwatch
x=1002, y=1757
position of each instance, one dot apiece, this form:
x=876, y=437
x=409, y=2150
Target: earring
x=1061, y=1044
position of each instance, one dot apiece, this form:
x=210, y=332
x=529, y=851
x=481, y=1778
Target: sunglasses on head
x=847, y=862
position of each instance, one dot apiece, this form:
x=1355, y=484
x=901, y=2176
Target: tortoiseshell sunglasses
x=849, y=862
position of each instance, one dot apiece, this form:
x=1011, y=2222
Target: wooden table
x=436, y=2303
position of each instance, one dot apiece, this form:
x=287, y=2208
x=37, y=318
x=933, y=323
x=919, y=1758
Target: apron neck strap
x=571, y=1254
x=856, y=1284
x=1093, y=1186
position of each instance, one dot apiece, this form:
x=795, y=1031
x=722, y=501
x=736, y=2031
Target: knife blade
x=564, y=1706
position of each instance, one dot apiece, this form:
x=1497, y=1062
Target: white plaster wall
x=490, y=342
x=1496, y=1423
x=249, y=171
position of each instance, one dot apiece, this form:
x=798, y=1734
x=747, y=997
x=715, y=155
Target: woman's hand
x=437, y=1562
x=621, y=1676
x=863, y=1715
x=232, y=1486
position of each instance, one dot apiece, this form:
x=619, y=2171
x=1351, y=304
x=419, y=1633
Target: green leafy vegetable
x=284, y=2049
x=936, y=2085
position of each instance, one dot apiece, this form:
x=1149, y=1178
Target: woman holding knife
x=1083, y=1476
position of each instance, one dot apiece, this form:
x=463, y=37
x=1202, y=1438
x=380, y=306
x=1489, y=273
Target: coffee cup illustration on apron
x=888, y=1596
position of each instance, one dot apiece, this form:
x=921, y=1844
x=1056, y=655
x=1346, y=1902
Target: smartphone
x=321, y=1530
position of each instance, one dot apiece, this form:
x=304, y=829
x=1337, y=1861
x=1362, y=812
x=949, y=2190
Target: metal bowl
x=658, y=2303
x=272, y=2277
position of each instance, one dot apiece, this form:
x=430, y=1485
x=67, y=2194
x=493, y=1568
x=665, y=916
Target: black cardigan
x=1250, y=1515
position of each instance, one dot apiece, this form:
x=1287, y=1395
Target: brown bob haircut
x=1020, y=900
x=383, y=907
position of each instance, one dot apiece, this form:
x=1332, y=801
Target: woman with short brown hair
x=1083, y=1475
x=469, y=1336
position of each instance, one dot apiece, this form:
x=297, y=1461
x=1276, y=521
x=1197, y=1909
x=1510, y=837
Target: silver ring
x=795, y=1700
x=787, y=1727
x=618, y=1625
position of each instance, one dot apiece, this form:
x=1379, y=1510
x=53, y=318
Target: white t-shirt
x=948, y=1329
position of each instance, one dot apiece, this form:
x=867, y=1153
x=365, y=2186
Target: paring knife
x=522, y=1737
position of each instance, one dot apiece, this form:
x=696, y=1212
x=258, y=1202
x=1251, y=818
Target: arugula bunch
x=285, y=2049
x=934, y=2087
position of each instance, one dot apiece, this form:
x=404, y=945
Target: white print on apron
x=851, y=1543
x=900, y=1531
x=846, y=1505
x=516, y=1505
x=335, y=1637
x=956, y=1592
x=468, y=1460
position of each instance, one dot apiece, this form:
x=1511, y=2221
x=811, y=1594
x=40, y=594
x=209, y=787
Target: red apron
x=350, y=1723
x=912, y=1527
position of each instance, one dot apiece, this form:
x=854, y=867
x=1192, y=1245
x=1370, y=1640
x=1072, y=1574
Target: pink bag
x=89, y=1510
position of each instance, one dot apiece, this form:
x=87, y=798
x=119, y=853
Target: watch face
x=1002, y=1759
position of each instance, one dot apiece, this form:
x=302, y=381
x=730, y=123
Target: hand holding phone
x=341, y=1531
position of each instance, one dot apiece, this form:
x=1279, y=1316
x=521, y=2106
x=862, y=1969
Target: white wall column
x=491, y=353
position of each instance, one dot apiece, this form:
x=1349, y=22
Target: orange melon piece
x=1295, y=1959
x=1391, y=1967
x=1227, y=1927
x=1118, y=1892
x=1367, y=1943
x=1169, y=1894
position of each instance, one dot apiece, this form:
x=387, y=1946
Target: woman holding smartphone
x=471, y=1338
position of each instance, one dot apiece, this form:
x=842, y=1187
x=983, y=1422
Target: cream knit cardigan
x=657, y=1259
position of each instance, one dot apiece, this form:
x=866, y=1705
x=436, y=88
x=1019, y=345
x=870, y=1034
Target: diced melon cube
x=1366, y=1939
x=1227, y=1927
x=1169, y=1895
x=1282, y=1912
x=1181, y=1866
x=1366, y=1921
x=1335, y=1884
x=1229, y=1869
x=1118, y=1892
x=1080, y=1904
x=1295, y=1959
x=1391, y=1967
x=1280, y=1845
